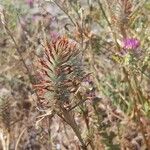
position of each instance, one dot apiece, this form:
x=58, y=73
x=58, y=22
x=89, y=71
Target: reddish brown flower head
x=59, y=70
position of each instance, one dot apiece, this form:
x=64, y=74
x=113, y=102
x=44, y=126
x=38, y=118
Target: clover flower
x=60, y=70
x=131, y=43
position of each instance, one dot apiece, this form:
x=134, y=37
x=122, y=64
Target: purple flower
x=54, y=35
x=131, y=43
x=30, y=3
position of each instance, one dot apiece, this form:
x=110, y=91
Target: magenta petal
x=131, y=43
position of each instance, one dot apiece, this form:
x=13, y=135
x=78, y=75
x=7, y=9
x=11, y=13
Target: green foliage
x=13, y=12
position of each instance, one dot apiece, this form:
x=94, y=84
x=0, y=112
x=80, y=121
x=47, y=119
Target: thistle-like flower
x=131, y=43
x=60, y=70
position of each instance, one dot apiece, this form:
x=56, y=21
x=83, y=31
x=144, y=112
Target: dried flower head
x=60, y=70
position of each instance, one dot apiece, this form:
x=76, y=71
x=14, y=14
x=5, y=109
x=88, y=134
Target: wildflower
x=60, y=71
x=30, y=3
x=54, y=35
x=131, y=43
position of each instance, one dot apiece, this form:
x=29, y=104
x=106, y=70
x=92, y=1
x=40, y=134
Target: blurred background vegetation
x=112, y=107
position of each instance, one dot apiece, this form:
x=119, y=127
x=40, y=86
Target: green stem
x=68, y=117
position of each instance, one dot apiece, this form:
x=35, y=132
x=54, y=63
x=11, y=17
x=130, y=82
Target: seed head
x=60, y=70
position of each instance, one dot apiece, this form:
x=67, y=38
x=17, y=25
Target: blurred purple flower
x=131, y=43
x=30, y=3
x=54, y=35
x=88, y=79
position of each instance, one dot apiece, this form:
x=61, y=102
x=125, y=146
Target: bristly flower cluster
x=60, y=70
x=131, y=43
